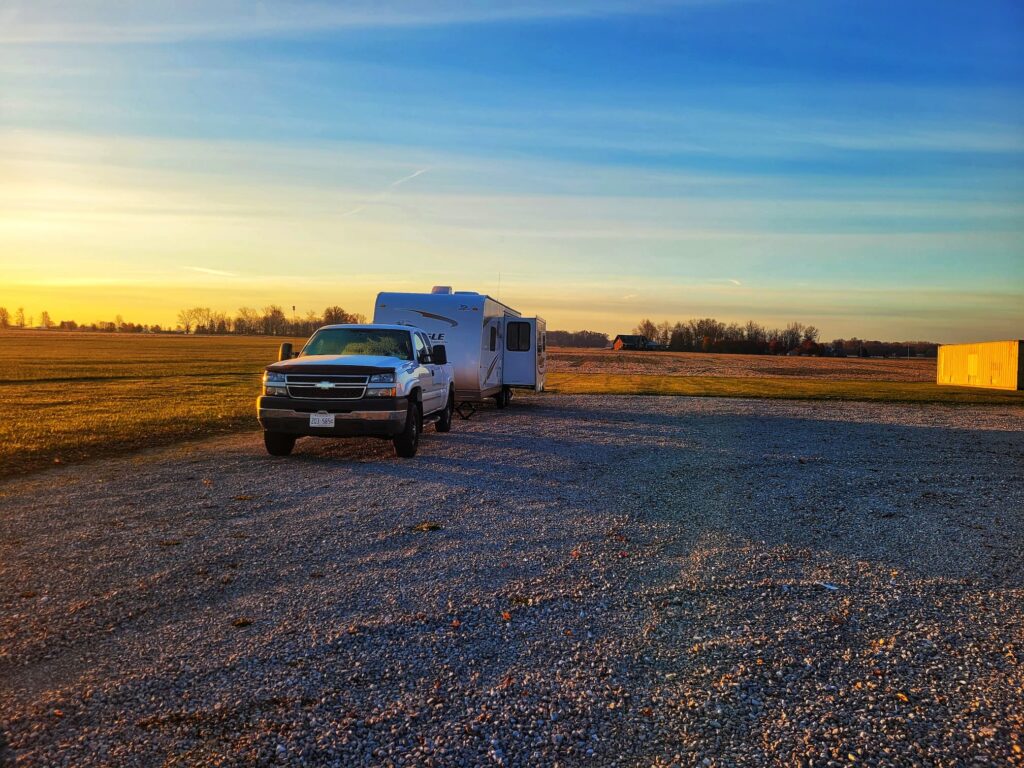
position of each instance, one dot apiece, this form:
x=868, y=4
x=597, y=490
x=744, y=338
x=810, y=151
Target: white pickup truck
x=357, y=381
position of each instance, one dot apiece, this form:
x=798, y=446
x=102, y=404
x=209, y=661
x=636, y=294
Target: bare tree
x=664, y=335
x=247, y=321
x=648, y=329
x=5, y=318
x=274, y=320
x=186, y=319
x=335, y=316
x=19, y=317
x=792, y=336
x=45, y=321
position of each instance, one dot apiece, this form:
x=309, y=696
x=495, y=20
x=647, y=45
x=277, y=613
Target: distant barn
x=990, y=364
x=630, y=342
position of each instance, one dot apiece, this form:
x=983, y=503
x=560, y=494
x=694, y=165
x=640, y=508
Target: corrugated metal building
x=991, y=364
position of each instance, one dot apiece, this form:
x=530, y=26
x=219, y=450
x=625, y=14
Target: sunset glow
x=596, y=165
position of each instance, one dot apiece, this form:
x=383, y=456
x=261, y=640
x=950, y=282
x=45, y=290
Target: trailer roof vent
x=446, y=289
x=467, y=293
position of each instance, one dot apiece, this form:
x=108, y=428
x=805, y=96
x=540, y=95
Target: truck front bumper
x=384, y=417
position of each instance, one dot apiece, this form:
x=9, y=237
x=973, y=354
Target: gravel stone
x=612, y=581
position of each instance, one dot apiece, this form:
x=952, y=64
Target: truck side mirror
x=285, y=353
x=440, y=355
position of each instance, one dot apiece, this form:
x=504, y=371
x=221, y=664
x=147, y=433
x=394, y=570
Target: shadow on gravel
x=6, y=755
x=939, y=499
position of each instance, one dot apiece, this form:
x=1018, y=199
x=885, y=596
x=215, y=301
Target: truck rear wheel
x=444, y=421
x=407, y=442
x=503, y=398
x=278, y=443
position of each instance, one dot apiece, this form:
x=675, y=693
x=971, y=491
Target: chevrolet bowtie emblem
x=325, y=385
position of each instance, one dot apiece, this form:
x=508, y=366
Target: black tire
x=278, y=444
x=407, y=442
x=503, y=398
x=444, y=422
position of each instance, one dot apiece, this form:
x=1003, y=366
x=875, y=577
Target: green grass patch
x=788, y=388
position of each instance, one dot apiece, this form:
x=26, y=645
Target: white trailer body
x=490, y=345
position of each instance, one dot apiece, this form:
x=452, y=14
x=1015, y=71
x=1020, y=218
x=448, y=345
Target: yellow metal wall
x=990, y=364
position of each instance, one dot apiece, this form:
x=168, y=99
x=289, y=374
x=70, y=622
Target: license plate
x=321, y=419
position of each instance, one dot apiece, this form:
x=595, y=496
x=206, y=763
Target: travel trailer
x=492, y=346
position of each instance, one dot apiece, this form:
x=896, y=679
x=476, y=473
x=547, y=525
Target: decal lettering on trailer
x=432, y=316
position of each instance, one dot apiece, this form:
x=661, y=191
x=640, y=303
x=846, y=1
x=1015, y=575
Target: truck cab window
x=419, y=346
x=518, y=338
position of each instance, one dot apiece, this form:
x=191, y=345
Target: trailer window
x=494, y=338
x=518, y=338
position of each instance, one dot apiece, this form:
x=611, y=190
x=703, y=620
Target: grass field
x=604, y=361
x=71, y=396
x=775, y=388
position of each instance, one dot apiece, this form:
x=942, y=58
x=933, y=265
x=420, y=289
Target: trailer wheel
x=407, y=442
x=278, y=443
x=444, y=422
x=503, y=398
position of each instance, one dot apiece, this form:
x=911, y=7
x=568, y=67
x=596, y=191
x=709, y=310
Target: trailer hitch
x=466, y=410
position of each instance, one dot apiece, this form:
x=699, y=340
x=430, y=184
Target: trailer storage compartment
x=989, y=364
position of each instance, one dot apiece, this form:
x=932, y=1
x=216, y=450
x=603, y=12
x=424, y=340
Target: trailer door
x=520, y=367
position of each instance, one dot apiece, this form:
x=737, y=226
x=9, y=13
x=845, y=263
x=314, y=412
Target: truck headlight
x=380, y=392
x=275, y=383
x=382, y=378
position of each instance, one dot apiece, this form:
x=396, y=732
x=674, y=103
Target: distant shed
x=990, y=364
x=628, y=341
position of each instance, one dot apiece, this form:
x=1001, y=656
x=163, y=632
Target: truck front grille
x=330, y=387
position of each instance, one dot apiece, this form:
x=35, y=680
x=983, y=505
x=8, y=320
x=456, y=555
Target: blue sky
x=857, y=165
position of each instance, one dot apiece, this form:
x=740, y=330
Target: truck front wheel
x=278, y=444
x=408, y=441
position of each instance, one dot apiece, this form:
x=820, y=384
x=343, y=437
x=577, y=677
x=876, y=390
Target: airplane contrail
x=384, y=192
x=208, y=271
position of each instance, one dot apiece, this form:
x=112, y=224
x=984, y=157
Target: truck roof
x=376, y=326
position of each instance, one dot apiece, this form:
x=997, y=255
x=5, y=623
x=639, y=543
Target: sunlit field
x=71, y=396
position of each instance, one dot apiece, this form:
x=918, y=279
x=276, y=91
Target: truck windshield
x=360, y=341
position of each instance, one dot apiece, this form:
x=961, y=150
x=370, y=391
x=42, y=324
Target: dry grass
x=740, y=366
x=71, y=396
x=775, y=388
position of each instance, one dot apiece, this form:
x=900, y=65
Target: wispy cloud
x=151, y=21
x=208, y=271
x=384, y=192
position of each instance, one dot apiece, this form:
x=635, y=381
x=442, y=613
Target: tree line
x=269, y=321
x=751, y=338
x=695, y=335
x=709, y=335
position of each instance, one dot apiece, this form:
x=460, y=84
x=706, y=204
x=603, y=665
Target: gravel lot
x=601, y=581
